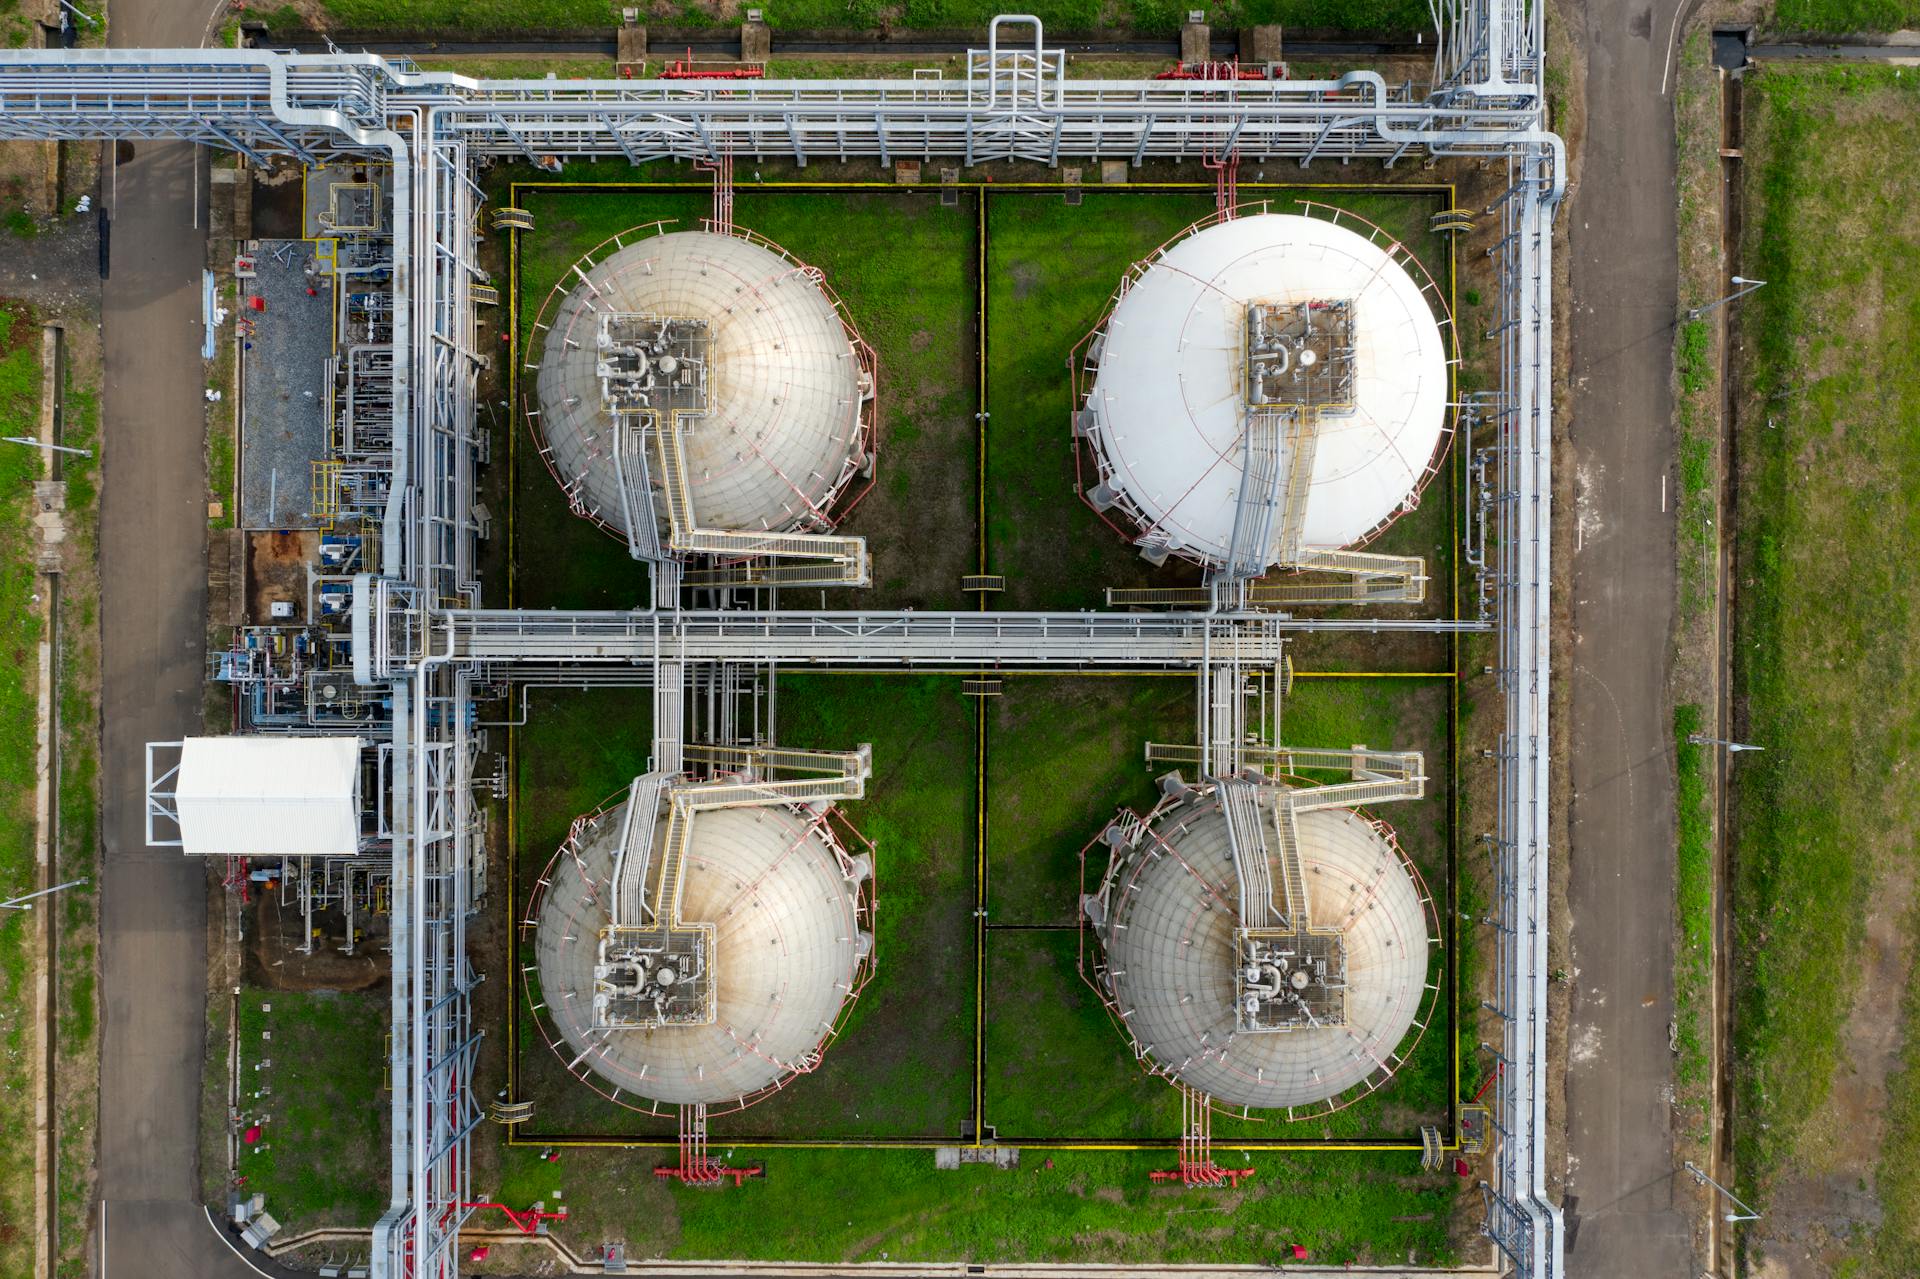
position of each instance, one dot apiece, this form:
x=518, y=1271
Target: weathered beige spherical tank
x=1262, y=1018
x=740, y=347
x=773, y=935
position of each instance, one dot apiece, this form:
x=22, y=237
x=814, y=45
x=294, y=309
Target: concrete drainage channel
x=49, y=534
x=1731, y=54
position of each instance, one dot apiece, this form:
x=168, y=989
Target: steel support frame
x=1485, y=100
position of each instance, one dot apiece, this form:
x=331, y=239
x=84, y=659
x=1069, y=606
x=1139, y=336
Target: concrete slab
x=1196, y=42
x=756, y=42
x=1260, y=43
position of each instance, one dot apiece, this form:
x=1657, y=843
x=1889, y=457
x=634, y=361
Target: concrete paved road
x=153, y=609
x=1622, y=1200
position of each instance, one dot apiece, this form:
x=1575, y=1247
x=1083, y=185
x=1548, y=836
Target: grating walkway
x=966, y=640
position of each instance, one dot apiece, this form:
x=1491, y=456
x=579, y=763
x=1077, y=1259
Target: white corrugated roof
x=1169, y=401
x=269, y=796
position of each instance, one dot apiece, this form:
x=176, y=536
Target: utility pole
x=1745, y=1213
x=1701, y=739
x=1750, y=285
x=25, y=901
x=30, y=442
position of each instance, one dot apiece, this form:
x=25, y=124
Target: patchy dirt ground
x=26, y=179
x=273, y=959
x=1824, y=1203
x=276, y=573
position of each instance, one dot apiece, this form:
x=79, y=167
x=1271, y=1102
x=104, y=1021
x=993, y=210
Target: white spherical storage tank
x=791, y=944
x=1167, y=413
x=1175, y=959
x=772, y=388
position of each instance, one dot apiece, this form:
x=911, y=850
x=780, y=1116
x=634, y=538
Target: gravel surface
x=283, y=392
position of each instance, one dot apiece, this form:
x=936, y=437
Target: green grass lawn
x=79, y=799
x=902, y=1066
x=322, y=1156
x=1052, y=548
x=1069, y=1206
x=1693, y=863
x=1829, y=507
x=19, y=640
x=577, y=751
x=1061, y=754
x=1838, y=17
x=1061, y=16
x=904, y=265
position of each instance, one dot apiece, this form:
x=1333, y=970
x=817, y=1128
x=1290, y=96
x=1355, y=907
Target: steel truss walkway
x=826, y=559
x=967, y=641
x=1484, y=99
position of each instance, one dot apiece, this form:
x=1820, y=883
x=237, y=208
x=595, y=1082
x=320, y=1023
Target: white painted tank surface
x=1168, y=406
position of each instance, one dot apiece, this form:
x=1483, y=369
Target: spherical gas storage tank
x=1276, y=313
x=791, y=943
x=741, y=346
x=1176, y=957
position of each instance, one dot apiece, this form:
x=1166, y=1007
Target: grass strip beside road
x=20, y=633
x=1827, y=678
x=1693, y=956
x=76, y=1097
x=883, y=1205
x=1844, y=17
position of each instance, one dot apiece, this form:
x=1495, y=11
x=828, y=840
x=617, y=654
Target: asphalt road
x=153, y=609
x=1623, y=1203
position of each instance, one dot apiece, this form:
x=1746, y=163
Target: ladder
x=1248, y=553
x=1359, y=763
x=838, y=775
x=1303, y=444
x=1394, y=579
x=639, y=832
x=848, y=572
x=844, y=559
x=1293, y=905
x=666, y=897
x=1349, y=794
x=673, y=477
x=635, y=478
